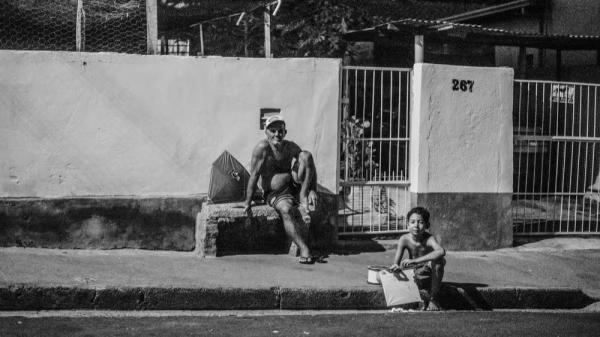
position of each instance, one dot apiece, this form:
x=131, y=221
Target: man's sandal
x=306, y=260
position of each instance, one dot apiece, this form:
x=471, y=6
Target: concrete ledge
x=163, y=223
x=338, y=299
x=224, y=229
x=29, y=297
x=144, y=298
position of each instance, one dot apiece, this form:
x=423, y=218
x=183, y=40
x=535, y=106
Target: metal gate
x=556, y=158
x=374, y=150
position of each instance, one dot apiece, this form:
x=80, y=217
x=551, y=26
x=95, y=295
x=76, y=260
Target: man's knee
x=305, y=157
x=285, y=208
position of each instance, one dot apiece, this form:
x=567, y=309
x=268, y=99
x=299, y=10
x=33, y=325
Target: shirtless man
x=288, y=176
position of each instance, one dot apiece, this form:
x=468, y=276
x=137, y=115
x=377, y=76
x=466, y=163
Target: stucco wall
x=461, y=141
x=76, y=124
x=461, y=154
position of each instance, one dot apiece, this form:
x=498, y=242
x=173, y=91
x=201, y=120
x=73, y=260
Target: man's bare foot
x=433, y=306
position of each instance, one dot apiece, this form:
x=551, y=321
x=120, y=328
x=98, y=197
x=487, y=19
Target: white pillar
x=152, y=24
x=461, y=160
x=419, y=49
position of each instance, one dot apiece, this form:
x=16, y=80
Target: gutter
x=488, y=11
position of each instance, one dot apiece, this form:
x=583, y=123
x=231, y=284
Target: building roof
x=445, y=31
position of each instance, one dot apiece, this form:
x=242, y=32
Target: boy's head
x=422, y=212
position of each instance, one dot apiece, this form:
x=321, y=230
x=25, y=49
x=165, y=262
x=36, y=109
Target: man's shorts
x=289, y=191
x=423, y=274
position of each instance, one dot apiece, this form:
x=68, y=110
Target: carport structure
x=447, y=32
x=556, y=159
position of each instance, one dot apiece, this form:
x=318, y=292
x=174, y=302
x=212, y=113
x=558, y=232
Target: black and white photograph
x=300, y=168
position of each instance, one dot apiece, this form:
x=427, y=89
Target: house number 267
x=462, y=85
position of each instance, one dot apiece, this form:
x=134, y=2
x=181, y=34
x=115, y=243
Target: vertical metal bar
x=587, y=152
x=399, y=103
x=526, y=210
x=363, y=174
x=79, y=32
x=594, y=149
x=355, y=142
x=545, y=152
x=381, y=203
x=398, y=126
x=552, y=195
x=558, y=154
x=571, y=159
x=585, y=175
x=387, y=201
x=520, y=102
x=380, y=122
x=346, y=141
x=202, y=40
x=267, y=28
x=407, y=126
x=372, y=208
x=535, y=155
x=398, y=209
x=549, y=146
x=390, y=136
x=152, y=28
x=578, y=159
x=372, y=127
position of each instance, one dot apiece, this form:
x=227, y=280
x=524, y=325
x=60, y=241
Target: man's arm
x=256, y=166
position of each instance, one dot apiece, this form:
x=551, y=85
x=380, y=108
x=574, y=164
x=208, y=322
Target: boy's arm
x=399, y=253
x=437, y=251
x=256, y=166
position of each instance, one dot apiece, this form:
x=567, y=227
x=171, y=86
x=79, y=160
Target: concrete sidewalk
x=559, y=273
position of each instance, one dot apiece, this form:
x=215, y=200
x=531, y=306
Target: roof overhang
x=450, y=32
x=487, y=11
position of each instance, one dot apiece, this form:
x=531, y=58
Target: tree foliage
x=314, y=28
x=302, y=28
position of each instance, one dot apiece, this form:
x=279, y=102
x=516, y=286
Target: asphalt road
x=380, y=323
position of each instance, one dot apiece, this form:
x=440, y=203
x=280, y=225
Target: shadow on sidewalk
x=462, y=296
x=354, y=247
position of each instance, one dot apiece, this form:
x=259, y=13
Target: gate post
x=461, y=160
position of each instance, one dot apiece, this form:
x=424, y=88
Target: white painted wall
x=111, y=124
x=461, y=141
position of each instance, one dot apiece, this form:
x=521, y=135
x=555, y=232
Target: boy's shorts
x=423, y=274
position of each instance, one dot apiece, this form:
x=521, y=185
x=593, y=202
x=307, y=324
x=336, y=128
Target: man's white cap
x=273, y=119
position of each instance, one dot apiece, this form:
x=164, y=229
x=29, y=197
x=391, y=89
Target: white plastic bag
x=399, y=287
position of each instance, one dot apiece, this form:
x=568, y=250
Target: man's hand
x=312, y=200
x=248, y=209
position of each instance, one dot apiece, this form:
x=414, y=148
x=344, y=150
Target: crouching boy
x=424, y=253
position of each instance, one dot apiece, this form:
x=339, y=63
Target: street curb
x=30, y=297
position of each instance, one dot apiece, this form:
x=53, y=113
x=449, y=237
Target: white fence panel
x=374, y=149
x=556, y=158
